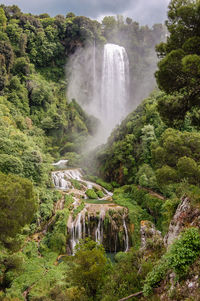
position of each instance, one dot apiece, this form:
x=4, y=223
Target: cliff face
x=150, y=237
x=188, y=288
x=186, y=216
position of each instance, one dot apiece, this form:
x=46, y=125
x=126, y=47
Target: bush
x=183, y=252
x=146, y=176
x=91, y=194
x=10, y=164
x=17, y=204
x=105, y=185
x=100, y=194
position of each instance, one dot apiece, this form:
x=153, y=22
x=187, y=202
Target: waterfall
x=103, y=222
x=114, y=86
x=126, y=236
x=94, y=70
x=76, y=230
x=91, y=222
x=100, y=83
x=99, y=229
x=61, y=178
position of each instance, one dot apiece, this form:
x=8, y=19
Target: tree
x=3, y=19
x=146, y=176
x=90, y=266
x=178, y=71
x=17, y=205
x=166, y=175
x=10, y=164
x=187, y=168
x=148, y=136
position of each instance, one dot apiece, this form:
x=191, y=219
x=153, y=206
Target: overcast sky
x=142, y=11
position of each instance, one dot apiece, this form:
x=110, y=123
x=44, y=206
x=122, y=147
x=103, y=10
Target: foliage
x=91, y=194
x=18, y=205
x=100, y=193
x=177, y=157
x=178, y=70
x=146, y=176
x=126, y=276
x=89, y=267
x=183, y=252
x=129, y=145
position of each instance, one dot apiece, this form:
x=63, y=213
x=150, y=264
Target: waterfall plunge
x=113, y=102
x=100, y=83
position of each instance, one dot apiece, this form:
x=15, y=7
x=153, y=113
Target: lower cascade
x=103, y=223
x=102, y=220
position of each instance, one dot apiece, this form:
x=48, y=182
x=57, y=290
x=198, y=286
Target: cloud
x=146, y=12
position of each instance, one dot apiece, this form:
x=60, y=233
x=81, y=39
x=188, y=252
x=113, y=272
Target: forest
x=143, y=238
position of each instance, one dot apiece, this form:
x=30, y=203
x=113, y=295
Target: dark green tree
x=90, y=266
x=17, y=205
x=178, y=71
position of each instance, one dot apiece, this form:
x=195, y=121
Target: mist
x=99, y=81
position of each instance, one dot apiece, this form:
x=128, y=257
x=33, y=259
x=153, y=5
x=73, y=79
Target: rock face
x=150, y=237
x=187, y=289
x=104, y=223
x=185, y=216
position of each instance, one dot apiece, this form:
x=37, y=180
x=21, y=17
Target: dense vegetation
x=151, y=160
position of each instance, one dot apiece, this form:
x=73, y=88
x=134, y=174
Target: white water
x=114, y=86
x=61, y=164
x=61, y=178
x=100, y=84
x=126, y=236
x=90, y=221
x=77, y=229
x=99, y=229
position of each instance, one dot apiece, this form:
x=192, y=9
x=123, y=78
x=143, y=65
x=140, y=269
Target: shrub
x=100, y=194
x=10, y=164
x=183, y=252
x=91, y=194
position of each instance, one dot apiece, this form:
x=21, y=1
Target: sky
x=143, y=11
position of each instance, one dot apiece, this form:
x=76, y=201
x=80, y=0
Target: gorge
x=117, y=221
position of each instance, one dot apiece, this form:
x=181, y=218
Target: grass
x=91, y=201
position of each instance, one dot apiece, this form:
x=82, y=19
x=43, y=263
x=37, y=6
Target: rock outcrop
x=150, y=237
x=186, y=215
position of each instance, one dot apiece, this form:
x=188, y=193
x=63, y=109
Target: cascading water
x=99, y=229
x=126, y=236
x=103, y=222
x=100, y=83
x=114, y=86
x=92, y=223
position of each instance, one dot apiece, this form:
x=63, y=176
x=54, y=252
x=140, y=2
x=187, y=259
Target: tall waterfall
x=114, y=86
x=100, y=83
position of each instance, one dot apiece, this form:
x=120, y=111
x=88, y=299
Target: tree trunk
x=131, y=296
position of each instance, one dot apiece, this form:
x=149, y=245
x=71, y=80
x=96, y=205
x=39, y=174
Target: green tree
x=90, y=267
x=10, y=164
x=166, y=175
x=17, y=205
x=178, y=71
x=146, y=176
x=187, y=168
x=3, y=19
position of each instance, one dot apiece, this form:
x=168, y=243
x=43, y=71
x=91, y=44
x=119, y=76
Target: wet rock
x=150, y=236
x=186, y=216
